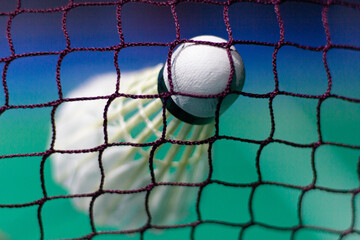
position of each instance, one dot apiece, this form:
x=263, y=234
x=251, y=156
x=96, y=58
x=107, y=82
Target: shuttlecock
x=195, y=69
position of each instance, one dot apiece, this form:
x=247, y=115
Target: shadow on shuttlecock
x=79, y=126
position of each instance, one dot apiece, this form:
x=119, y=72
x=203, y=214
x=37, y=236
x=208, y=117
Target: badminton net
x=242, y=228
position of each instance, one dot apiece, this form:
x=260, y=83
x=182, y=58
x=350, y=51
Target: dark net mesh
x=270, y=96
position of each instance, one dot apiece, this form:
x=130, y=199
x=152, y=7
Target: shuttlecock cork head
x=201, y=70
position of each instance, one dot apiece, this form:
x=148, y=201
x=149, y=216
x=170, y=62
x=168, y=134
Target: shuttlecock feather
x=79, y=125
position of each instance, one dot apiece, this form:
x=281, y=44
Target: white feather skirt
x=79, y=126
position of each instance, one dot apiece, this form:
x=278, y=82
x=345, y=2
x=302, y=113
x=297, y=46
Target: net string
x=172, y=45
